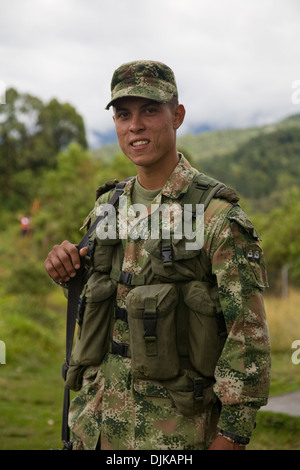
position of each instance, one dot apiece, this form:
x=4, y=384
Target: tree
x=280, y=231
x=59, y=126
x=66, y=194
x=31, y=135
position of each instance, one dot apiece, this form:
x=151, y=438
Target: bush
x=28, y=276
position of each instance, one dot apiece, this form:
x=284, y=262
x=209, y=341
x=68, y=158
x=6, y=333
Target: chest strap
x=127, y=278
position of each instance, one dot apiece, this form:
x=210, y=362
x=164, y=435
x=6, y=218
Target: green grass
x=30, y=409
x=275, y=431
x=31, y=387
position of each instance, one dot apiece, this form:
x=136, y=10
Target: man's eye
x=151, y=110
x=122, y=115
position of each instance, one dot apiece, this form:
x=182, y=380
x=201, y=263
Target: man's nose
x=136, y=123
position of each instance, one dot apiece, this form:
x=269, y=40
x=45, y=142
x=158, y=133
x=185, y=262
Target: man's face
x=146, y=130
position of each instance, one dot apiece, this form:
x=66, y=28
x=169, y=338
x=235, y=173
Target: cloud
x=234, y=61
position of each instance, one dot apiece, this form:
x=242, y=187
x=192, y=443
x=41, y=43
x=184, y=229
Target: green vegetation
x=275, y=431
x=48, y=173
x=31, y=135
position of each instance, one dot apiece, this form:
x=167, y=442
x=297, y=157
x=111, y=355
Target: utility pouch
x=205, y=338
x=94, y=321
x=191, y=393
x=170, y=261
x=151, y=317
x=102, y=253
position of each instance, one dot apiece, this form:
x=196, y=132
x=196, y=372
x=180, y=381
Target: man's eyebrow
x=123, y=107
x=151, y=103
x=120, y=108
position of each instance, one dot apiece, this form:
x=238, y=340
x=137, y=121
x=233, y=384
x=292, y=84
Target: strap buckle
x=166, y=252
x=125, y=278
x=149, y=326
x=121, y=313
x=119, y=348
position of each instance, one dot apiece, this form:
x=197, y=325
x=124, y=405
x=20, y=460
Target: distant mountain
x=262, y=164
x=221, y=142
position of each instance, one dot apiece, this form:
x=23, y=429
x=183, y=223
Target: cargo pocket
x=103, y=252
x=94, y=321
x=204, y=339
x=191, y=393
x=151, y=317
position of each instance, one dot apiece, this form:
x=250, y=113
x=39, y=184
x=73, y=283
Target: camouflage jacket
x=138, y=414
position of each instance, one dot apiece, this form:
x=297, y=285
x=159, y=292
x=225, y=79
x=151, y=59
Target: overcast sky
x=235, y=61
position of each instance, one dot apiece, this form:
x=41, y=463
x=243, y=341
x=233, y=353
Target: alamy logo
x=2, y=92
x=2, y=353
x=296, y=354
x=139, y=222
x=296, y=94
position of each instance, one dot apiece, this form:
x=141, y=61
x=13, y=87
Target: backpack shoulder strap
x=204, y=188
x=107, y=186
x=119, y=188
x=75, y=285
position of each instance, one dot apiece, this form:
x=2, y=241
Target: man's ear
x=179, y=113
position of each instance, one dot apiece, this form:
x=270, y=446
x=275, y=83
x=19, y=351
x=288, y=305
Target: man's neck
x=155, y=178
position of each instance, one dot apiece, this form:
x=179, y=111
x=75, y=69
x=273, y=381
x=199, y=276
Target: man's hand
x=63, y=261
x=222, y=444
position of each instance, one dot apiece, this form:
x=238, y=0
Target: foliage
x=261, y=166
x=119, y=167
x=275, y=431
x=284, y=327
x=31, y=135
x=66, y=196
x=280, y=230
x=27, y=276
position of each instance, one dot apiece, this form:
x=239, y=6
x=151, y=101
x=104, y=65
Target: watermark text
x=296, y=94
x=2, y=353
x=2, y=92
x=157, y=221
x=296, y=354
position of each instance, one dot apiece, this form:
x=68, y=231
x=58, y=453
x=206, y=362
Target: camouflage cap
x=144, y=79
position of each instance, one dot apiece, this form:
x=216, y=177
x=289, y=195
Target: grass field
x=31, y=388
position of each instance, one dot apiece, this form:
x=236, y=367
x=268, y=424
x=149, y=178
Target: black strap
x=75, y=285
x=121, y=313
x=119, y=348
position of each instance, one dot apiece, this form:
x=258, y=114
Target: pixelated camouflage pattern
x=144, y=79
x=126, y=413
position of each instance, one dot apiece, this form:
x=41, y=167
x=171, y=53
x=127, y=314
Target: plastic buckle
x=121, y=313
x=166, y=254
x=119, y=348
x=125, y=278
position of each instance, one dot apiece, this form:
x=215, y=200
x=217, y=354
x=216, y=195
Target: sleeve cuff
x=238, y=419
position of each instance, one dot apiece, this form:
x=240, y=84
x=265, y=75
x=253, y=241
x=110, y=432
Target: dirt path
x=289, y=403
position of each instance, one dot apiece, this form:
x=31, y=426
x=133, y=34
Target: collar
x=177, y=183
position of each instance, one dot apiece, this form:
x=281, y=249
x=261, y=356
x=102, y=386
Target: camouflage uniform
x=125, y=413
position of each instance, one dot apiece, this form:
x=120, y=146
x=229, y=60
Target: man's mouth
x=138, y=143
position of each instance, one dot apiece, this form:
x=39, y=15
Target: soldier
x=173, y=348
